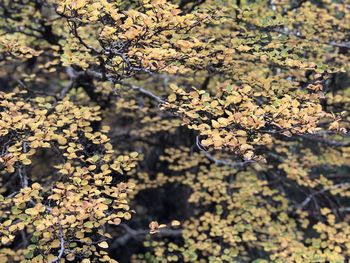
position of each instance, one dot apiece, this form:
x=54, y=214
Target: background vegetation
x=174, y=131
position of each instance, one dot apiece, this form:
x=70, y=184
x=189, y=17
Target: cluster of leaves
x=224, y=121
x=243, y=216
x=234, y=116
x=65, y=209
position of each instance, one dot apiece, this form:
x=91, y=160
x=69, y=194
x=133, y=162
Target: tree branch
x=325, y=140
x=62, y=244
x=135, y=234
x=218, y=161
x=311, y=196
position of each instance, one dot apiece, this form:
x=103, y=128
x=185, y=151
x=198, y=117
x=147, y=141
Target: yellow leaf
x=233, y=99
x=103, y=244
x=77, y=4
x=134, y=154
x=243, y=48
x=223, y=121
x=88, y=224
x=61, y=140
x=175, y=223
x=26, y=162
x=215, y=124
x=70, y=257
x=172, y=98
x=79, y=235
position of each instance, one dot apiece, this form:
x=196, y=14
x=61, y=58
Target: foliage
x=174, y=131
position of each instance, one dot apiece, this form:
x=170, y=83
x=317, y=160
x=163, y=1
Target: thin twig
x=134, y=234
x=219, y=161
x=62, y=243
x=311, y=196
x=325, y=140
x=145, y=92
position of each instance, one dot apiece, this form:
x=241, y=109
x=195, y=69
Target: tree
x=220, y=125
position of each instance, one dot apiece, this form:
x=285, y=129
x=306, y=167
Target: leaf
x=77, y=4
x=154, y=227
x=88, y=224
x=134, y=154
x=175, y=223
x=62, y=140
x=172, y=98
x=103, y=244
x=235, y=99
x=26, y=161
x=70, y=257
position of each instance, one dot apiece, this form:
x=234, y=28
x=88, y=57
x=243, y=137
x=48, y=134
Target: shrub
x=174, y=131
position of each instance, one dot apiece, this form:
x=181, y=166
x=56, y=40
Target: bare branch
x=135, y=234
x=62, y=243
x=145, y=92
x=218, y=161
x=325, y=140
x=22, y=171
x=311, y=196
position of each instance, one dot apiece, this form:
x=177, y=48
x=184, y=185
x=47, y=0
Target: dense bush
x=174, y=131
